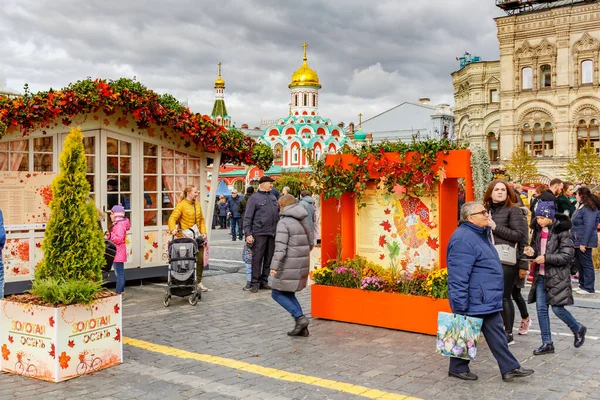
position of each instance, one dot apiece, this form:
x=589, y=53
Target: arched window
x=588, y=133
x=539, y=140
x=545, y=76
x=493, y=146
x=317, y=152
x=296, y=99
x=587, y=72
x=305, y=99
x=314, y=102
x=278, y=153
x=526, y=78
x=295, y=154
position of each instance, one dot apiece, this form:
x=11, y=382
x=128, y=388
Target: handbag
x=457, y=335
x=194, y=232
x=507, y=253
x=110, y=251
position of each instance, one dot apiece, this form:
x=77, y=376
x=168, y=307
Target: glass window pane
x=166, y=200
x=19, y=145
x=113, y=164
x=167, y=152
x=195, y=181
x=125, y=183
x=582, y=133
x=150, y=218
x=527, y=78
x=168, y=166
x=42, y=162
x=43, y=144
x=150, y=183
x=19, y=162
x=125, y=165
x=150, y=200
x=180, y=167
x=545, y=76
x=112, y=146
x=3, y=161
x=90, y=179
x=194, y=166
x=168, y=183
x=125, y=148
x=3, y=145
x=150, y=165
x=165, y=216
x=150, y=149
x=594, y=132
x=91, y=160
x=126, y=200
x=587, y=70
x=89, y=145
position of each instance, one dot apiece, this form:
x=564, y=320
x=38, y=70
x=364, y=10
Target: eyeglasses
x=484, y=212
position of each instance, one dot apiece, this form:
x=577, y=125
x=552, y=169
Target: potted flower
x=68, y=325
x=366, y=293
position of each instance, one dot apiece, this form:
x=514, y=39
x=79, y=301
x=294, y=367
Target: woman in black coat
x=509, y=227
x=552, y=246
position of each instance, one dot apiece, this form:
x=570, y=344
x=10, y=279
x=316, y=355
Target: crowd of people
x=495, y=248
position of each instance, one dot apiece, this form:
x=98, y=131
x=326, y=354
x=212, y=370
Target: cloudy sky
x=370, y=55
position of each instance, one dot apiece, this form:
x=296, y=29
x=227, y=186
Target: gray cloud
x=370, y=56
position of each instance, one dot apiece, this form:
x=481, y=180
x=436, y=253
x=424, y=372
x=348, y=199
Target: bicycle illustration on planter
x=93, y=363
x=22, y=368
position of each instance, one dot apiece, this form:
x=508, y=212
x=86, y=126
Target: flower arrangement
x=415, y=172
x=362, y=274
x=40, y=110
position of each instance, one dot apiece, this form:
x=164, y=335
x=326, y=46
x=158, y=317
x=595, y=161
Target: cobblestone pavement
x=251, y=328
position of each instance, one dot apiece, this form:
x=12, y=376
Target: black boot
x=580, y=336
x=545, y=348
x=301, y=323
x=304, y=332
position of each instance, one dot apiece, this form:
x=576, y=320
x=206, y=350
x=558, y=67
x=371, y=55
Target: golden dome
x=305, y=76
x=219, y=83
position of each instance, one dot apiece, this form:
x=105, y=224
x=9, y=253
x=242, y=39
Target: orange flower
x=63, y=360
x=5, y=352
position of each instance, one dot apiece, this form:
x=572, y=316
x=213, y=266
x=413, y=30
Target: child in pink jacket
x=118, y=234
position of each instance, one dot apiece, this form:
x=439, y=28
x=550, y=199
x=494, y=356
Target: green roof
x=219, y=109
x=237, y=172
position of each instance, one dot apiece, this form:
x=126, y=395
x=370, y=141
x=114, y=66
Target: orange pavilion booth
x=418, y=228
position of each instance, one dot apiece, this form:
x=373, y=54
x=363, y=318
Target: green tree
x=585, y=168
x=297, y=181
x=522, y=166
x=73, y=245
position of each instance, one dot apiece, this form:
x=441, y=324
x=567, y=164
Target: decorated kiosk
x=388, y=212
x=118, y=143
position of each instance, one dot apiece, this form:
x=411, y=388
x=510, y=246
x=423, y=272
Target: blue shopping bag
x=457, y=335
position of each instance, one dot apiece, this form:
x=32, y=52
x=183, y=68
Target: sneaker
x=575, y=279
x=525, y=325
x=510, y=339
x=247, y=287
x=583, y=292
x=203, y=288
x=254, y=289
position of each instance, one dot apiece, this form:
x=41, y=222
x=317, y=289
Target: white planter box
x=59, y=343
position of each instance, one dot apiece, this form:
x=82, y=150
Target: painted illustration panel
x=16, y=256
x=89, y=337
x=28, y=340
x=25, y=198
x=152, y=253
x=398, y=230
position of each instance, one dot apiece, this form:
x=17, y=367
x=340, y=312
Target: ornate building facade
x=549, y=82
x=303, y=131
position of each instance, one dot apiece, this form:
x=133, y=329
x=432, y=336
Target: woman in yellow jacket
x=187, y=213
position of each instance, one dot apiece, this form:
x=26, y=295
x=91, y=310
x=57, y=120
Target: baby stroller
x=182, y=279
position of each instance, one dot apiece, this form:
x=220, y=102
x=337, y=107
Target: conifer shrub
x=73, y=245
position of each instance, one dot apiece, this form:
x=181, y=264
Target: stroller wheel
x=167, y=300
x=193, y=300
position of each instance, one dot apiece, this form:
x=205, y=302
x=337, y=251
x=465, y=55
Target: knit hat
x=545, y=209
x=118, y=210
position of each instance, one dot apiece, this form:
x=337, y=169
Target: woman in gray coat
x=291, y=260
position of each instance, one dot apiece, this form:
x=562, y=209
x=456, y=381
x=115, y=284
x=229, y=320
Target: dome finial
x=305, y=45
x=360, y=121
x=305, y=76
x=219, y=83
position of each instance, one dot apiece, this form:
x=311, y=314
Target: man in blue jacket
x=2, y=242
x=475, y=288
x=233, y=210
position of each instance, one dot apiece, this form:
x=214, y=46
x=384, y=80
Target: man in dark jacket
x=242, y=206
x=260, y=225
x=554, y=189
x=475, y=288
x=233, y=210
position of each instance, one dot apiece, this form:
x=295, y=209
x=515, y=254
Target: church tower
x=219, y=111
x=305, y=90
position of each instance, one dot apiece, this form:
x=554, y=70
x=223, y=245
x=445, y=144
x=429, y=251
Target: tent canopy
x=222, y=189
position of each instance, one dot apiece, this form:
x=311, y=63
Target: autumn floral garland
x=40, y=110
x=413, y=170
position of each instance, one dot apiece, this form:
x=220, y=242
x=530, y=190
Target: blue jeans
x=1, y=277
x=120, y=274
x=248, y=272
x=288, y=301
x=585, y=265
x=236, y=232
x=541, y=305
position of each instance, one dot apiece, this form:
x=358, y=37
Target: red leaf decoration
x=117, y=308
x=51, y=321
x=118, y=335
x=381, y=256
x=387, y=211
x=52, y=352
x=433, y=243
x=382, y=241
x=386, y=226
x=10, y=339
x=71, y=343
